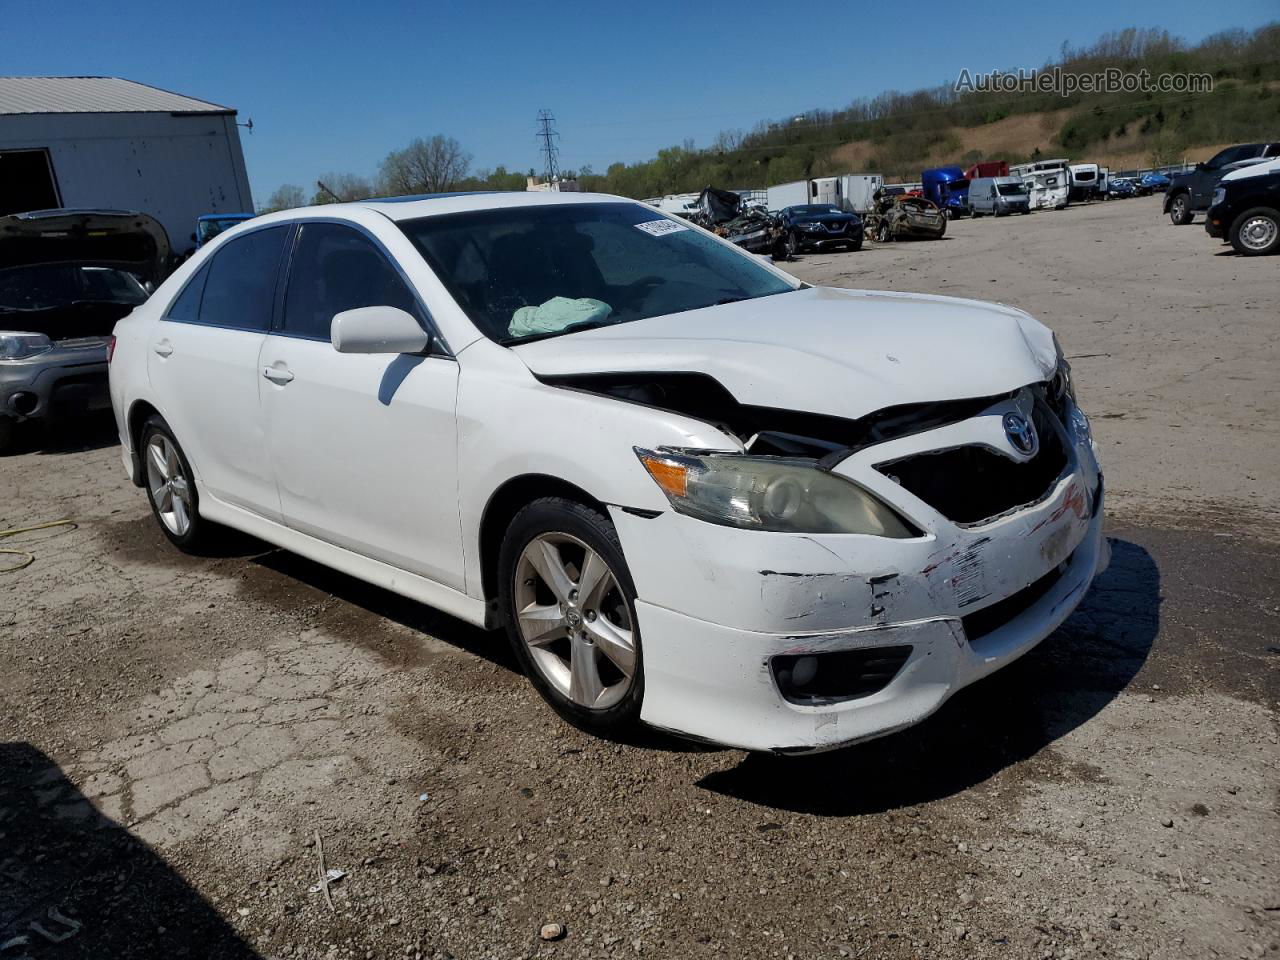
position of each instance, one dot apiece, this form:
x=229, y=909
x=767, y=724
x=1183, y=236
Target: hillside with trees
x=898, y=133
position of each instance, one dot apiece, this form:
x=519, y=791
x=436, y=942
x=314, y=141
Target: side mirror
x=378, y=330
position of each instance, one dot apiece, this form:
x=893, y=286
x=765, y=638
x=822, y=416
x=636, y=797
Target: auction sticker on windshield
x=660, y=228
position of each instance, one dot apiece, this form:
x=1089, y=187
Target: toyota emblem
x=1021, y=433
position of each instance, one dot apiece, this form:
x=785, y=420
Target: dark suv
x=1246, y=211
x=819, y=225
x=1193, y=191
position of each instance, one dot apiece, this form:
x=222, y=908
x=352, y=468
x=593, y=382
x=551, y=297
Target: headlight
x=1060, y=386
x=769, y=493
x=20, y=346
x=1219, y=194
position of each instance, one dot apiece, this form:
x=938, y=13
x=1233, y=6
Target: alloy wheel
x=168, y=485
x=1258, y=233
x=575, y=621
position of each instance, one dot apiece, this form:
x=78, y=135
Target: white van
x=998, y=196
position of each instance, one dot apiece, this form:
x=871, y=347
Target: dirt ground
x=176, y=732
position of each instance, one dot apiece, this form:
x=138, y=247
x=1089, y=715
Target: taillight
x=111, y=348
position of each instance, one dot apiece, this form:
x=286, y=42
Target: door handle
x=280, y=375
x=164, y=348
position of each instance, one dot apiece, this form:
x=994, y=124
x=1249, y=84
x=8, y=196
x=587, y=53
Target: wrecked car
x=818, y=226
x=753, y=229
x=66, y=277
x=696, y=492
x=901, y=216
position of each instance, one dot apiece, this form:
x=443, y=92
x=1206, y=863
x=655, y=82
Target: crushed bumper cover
x=717, y=604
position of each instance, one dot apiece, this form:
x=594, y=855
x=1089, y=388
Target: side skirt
x=380, y=574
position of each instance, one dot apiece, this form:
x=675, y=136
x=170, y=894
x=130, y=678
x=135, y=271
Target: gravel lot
x=175, y=732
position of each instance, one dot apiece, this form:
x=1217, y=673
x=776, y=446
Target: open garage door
x=27, y=182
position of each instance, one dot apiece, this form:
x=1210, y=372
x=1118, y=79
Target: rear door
x=364, y=446
x=204, y=370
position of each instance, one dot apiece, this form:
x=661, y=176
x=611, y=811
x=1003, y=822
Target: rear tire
x=1256, y=232
x=171, y=489
x=582, y=653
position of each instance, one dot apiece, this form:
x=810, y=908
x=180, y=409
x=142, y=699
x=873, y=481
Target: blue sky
x=334, y=86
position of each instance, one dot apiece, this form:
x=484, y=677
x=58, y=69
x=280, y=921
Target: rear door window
x=336, y=268
x=239, y=292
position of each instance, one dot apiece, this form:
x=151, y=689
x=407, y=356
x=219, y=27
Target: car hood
x=821, y=350
x=104, y=238
x=1253, y=170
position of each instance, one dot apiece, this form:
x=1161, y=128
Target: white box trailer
x=788, y=194
x=108, y=143
x=858, y=191
x=849, y=191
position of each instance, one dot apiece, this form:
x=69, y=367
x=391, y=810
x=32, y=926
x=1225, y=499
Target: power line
x=548, y=134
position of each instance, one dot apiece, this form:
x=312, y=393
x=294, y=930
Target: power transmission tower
x=548, y=134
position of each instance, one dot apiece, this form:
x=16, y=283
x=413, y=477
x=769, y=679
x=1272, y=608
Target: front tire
x=1256, y=232
x=171, y=489
x=855, y=246
x=1180, y=210
x=7, y=430
x=569, y=606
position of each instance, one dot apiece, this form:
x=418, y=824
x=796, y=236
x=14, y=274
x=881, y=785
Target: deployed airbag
x=557, y=314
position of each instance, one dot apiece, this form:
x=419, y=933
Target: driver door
x=364, y=446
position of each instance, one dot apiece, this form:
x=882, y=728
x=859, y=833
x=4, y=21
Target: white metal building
x=108, y=143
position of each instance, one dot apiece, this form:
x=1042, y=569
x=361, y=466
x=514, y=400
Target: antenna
x=248, y=126
x=548, y=134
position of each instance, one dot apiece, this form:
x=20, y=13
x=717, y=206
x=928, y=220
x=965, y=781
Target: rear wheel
x=1180, y=210
x=1256, y=232
x=569, y=605
x=171, y=489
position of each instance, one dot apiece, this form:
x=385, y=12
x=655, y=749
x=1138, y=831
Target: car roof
x=435, y=204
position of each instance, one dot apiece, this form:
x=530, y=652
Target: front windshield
x=531, y=272
x=1011, y=189
x=815, y=209
x=956, y=187
x=46, y=286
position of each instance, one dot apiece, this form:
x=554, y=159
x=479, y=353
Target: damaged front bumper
x=883, y=630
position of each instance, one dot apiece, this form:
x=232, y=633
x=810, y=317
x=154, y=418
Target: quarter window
x=240, y=289
x=186, y=307
x=337, y=268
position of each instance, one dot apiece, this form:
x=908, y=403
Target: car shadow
x=985, y=728
x=65, y=435
x=490, y=645
x=74, y=883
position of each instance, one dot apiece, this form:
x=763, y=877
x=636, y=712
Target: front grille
x=990, y=619
x=971, y=484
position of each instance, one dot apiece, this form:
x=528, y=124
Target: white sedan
x=695, y=491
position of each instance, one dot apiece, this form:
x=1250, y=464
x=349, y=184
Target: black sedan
x=815, y=226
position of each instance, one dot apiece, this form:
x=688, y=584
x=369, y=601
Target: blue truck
x=948, y=189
